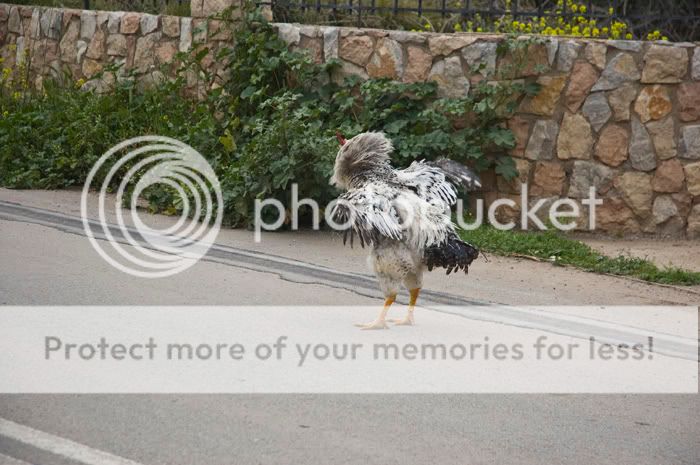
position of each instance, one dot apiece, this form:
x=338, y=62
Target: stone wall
x=621, y=116
x=80, y=43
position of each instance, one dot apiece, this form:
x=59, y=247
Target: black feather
x=452, y=254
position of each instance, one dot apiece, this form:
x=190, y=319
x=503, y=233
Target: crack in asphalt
x=231, y=256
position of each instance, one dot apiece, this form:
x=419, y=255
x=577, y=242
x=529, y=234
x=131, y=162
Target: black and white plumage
x=402, y=215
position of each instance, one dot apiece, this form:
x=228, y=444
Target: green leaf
x=201, y=54
x=395, y=126
x=228, y=142
x=248, y=91
x=532, y=88
x=502, y=137
x=505, y=166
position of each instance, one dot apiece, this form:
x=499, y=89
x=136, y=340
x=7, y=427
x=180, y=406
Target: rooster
x=402, y=215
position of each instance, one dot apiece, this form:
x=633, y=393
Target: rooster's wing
x=370, y=212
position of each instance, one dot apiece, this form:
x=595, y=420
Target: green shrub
x=51, y=139
x=286, y=111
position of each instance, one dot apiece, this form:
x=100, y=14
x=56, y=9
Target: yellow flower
x=628, y=36
x=664, y=38
x=16, y=95
x=655, y=35
x=611, y=10
x=5, y=114
x=574, y=8
x=427, y=26
x=79, y=83
x=479, y=29
x=582, y=9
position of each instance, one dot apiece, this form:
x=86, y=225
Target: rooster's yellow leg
x=380, y=322
x=408, y=321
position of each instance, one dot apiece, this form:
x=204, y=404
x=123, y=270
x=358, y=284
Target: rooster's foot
x=408, y=321
x=376, y=324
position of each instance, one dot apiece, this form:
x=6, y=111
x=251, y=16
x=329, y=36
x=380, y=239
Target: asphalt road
x=46, y=260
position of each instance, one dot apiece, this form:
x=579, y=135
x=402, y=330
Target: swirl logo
x=143, y=162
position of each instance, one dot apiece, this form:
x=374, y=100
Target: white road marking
x=5, y=460
x=58, y=445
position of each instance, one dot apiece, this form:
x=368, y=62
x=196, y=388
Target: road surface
x=46, y=259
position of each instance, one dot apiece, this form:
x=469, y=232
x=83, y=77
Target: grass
x=558, y=249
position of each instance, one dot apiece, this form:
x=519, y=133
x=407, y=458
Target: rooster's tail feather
x=451, y=254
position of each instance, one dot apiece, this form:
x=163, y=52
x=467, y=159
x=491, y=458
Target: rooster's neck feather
x=361, y=156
